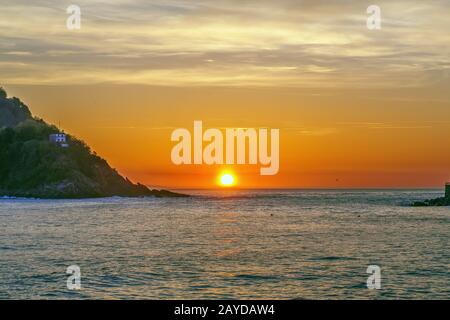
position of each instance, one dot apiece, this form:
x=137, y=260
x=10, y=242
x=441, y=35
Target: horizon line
x=298, y=188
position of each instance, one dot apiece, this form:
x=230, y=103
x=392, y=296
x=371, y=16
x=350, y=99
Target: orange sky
x=329, y=138
x=355, y=107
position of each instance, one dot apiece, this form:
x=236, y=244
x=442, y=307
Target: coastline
x=152, y=194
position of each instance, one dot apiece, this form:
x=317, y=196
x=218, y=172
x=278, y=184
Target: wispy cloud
x=397, y=125
x=225, y=42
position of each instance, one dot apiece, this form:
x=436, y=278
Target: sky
x=355, y=107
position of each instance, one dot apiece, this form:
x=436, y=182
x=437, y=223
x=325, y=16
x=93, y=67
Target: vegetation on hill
x=32, y=166
x=12, y=111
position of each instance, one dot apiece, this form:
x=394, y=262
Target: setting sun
x=227, y=180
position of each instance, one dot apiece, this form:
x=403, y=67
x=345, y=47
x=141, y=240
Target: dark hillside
x=32, y=166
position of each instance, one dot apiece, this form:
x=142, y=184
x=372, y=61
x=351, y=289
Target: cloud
x=232, y=43
x=306, y=131
x=399, y=125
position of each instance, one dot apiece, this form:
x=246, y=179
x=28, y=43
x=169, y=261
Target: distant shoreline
x=177, y=195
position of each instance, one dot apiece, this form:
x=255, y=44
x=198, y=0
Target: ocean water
x=297, y=244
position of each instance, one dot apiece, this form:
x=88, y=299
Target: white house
x=59, y=138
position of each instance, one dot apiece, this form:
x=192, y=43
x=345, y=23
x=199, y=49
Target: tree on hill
x=32, y=166
x=3, y=94
x=12, y=110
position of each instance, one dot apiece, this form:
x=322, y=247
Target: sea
x=228, y=244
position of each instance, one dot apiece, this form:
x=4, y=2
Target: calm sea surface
x=221, y=245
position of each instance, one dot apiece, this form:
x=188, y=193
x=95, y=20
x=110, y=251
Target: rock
x=432, y=202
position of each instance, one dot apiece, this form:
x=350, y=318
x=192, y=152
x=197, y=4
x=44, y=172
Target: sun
x=227, y=180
